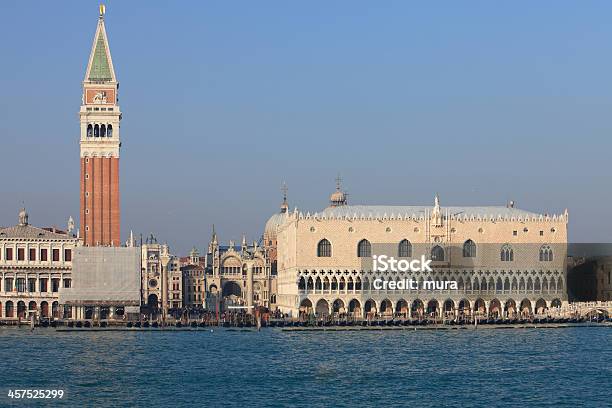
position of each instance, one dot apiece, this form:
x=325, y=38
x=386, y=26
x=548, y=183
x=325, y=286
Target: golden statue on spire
x=102, y=10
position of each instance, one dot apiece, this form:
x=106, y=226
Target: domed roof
x=337, y=197
x=272, y=225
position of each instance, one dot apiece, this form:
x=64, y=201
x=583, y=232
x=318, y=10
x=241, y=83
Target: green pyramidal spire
x=100, y=68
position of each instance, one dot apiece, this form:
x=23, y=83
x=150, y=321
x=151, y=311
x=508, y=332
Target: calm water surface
x=511, y=367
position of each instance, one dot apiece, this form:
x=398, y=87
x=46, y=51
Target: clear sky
x=482, y=102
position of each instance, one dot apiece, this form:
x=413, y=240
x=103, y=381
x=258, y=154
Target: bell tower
x=100, y=118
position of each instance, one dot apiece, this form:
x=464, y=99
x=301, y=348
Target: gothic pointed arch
x=404, y=249
x=437, y=253
x=469, y=249
x=506, y=253
x=324, y=248
x=546, y=253
x=364, y=249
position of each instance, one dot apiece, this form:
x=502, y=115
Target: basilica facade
x=239, y=276
x=504, y=262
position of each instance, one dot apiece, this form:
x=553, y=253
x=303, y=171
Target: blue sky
x=481, y=102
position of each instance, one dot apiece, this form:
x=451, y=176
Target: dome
x=272, y=225
x=337, y=197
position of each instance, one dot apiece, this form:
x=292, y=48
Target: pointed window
x=324, y=248
x=437, y=253
x=469, y=249
x=404, y=249
x=506, y=253
x=364, y=249
x=546, y=253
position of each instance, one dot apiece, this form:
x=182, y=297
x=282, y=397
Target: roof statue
x=131, y=243
x=70, y=226
x=23, y=218
x=436, y=214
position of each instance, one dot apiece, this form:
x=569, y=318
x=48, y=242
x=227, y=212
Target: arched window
x=469, y=249
x=506, y=253
x=103, y=131
x=546, y=253
x=89, y=130
x=324, y=248
x=437, y=253
x=109, y=131
x=55, y=310
x=10, y=311
x=404, y=249
x=364, y=249
x=537, y=286
x=96, y=131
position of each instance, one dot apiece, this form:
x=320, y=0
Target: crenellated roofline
x=416, y=213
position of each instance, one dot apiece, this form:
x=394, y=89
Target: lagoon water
x=496, y=368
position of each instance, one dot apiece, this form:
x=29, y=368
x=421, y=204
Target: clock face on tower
x=100, y=96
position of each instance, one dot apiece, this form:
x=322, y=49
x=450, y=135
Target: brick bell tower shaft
x=100, y=142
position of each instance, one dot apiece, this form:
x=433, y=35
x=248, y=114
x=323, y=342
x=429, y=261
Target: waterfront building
x=161, y=279
x=106, y=284
x=590, y=278
x=175, y=285
x=35, y=265
x=193, y=274
x=100, y=142
x=239, y=276
x=604, y=279
x=505, y=261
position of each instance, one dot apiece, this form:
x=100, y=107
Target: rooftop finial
x=102, y=10
x=284, y=205
x=284, y=189
x=338, y=197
